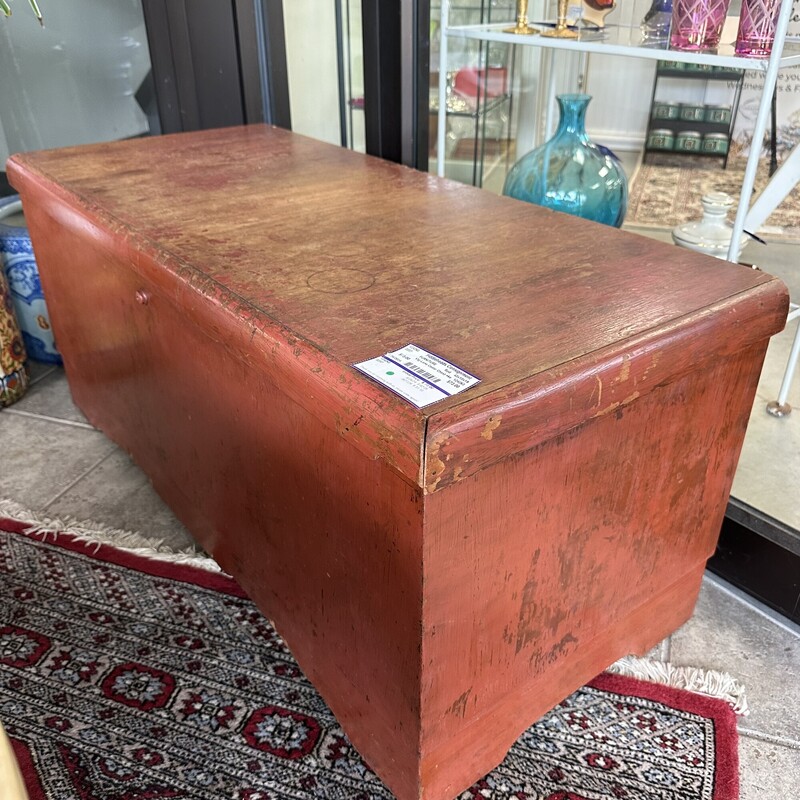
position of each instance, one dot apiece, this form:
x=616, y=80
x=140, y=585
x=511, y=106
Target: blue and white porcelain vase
x=19, y=265
x=570, y=173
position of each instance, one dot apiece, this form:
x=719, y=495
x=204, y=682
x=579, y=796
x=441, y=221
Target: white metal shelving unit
x=626, y=41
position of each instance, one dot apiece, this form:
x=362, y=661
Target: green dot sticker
x=389, y=372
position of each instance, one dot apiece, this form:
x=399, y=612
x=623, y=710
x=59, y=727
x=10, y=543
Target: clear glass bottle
x=657, y=21
x=712, y=234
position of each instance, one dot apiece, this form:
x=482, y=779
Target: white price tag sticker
x=420, y=377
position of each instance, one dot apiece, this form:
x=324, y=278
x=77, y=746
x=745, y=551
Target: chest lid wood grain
x=339, y=257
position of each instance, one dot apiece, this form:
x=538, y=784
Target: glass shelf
x=618, y=40
x=458, y=106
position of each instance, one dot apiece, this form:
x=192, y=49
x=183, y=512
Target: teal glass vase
x=570, y=173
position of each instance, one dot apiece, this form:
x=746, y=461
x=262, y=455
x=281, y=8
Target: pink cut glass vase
x=697, y=24
x=757, y=24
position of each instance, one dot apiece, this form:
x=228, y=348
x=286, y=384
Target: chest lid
x=322, y=258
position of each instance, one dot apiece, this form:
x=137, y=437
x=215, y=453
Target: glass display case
x=479, y=79
x=71, y=83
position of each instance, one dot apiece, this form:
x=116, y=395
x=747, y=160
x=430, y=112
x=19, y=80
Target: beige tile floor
x=54, y=462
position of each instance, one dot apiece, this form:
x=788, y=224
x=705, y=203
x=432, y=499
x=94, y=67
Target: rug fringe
x=97, y=533
x=708, y=682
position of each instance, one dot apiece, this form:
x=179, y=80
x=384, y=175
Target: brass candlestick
x=561, y=31
x=522, y=26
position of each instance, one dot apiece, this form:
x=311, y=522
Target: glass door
x=83, y=77
x=325, y=70
x=480, y=77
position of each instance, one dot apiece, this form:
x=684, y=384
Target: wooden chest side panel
x=459, y=443
x=539, y=569
x=326, y=541
x=377, y=422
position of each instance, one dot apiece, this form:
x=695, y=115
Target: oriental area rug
x=666, y=192
x=130, y=678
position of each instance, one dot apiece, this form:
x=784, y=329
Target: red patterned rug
x=125, y=678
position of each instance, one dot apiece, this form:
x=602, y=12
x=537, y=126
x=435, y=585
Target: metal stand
x=786, y=177
x=760, y=126
x=781, y=406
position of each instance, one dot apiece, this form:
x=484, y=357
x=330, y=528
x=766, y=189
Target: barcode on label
x=427, y=375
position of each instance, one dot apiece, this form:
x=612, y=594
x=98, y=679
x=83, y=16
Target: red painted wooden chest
x=443, y=575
